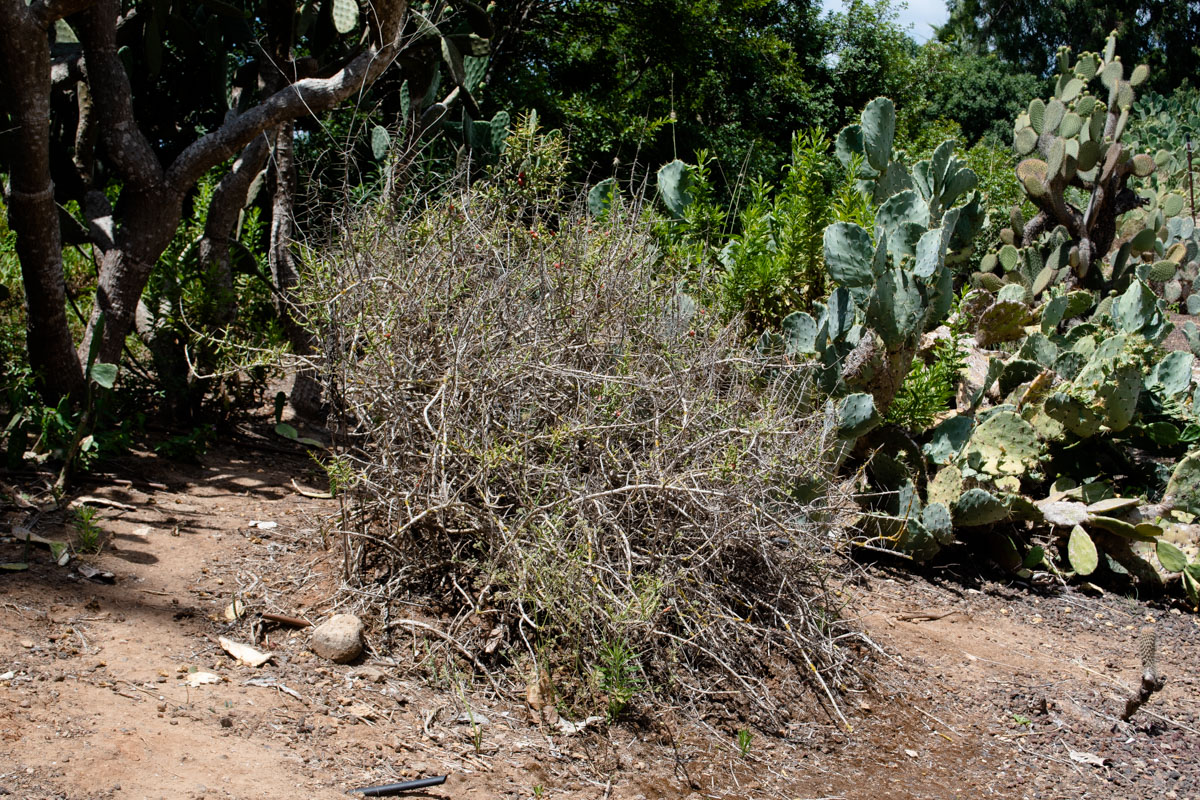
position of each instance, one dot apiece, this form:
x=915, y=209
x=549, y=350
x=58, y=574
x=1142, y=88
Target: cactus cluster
x=893, y=283
x=1163, y=126
x=1075, y=140
x=1099, y=377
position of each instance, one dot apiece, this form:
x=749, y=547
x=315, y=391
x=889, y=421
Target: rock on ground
x=338, y=639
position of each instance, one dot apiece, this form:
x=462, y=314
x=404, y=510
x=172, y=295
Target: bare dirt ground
x=982, y=688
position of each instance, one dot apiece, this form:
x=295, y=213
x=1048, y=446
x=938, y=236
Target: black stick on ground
x=387, y=790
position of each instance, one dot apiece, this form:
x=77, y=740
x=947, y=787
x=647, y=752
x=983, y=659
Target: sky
x=920, y=15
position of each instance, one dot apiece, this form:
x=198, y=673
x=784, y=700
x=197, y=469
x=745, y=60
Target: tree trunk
x=33, y=214
x=220, y=227
x=152, y=197
x=306, y=389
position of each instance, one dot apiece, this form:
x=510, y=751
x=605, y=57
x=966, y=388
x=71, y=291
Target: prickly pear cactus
x=1074, y=139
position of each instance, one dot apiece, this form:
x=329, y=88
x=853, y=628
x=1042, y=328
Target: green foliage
x=1029, y=33
x=649, y=80
x=774, y=264
x=88, y=534
x=930, y=388
x=618, y=676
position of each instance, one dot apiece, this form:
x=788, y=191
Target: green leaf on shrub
x=1081, y=552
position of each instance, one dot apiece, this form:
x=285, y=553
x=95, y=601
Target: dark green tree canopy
x=1165, y=34
x=736, y=76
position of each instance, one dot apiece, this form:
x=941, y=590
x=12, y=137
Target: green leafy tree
x=648, y=80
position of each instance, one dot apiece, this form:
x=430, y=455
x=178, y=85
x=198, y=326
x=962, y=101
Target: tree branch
x=47, y=12
x=124, y=142
x=308, y=96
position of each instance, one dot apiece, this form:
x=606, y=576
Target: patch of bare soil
x=982, y=690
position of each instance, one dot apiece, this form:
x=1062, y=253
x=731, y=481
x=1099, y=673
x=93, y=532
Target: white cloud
x=918, y=17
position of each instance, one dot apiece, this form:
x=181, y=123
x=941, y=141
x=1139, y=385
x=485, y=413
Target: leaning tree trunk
x=220, y=229
x=306, y=389
x=149, y=219
x=33, y=214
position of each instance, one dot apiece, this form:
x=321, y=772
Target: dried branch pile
x=552, y=441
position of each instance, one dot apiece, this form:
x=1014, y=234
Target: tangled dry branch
x=565, y=453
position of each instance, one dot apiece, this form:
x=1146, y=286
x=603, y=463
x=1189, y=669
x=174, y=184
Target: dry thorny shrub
x=562, y=455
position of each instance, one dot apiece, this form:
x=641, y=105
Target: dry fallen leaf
x=244, y=652
x=1087, y=758
x=201, y=678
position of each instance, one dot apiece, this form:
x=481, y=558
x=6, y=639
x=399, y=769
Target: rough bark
x=220, y=226
x=33, y=214
x=305, y=396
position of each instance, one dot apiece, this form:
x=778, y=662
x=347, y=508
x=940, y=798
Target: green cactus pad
x=878, y=130
x=897, y=308
x=799, y=333
x=1073, y=414
x=1161, y=271
x=674, y=187
x=1108, y=505
x=1170, y=556
x=1063, y=513
x=899, y=210
x=1071, y=125
x=1012, y=293
x=1024, y=141
x=1143, y=165
x=1172, y=376
x=381, y=140
x=1070, y=91
x=1111, y=74
x=1172, y=291
x=1069, y=363
x=857, y=415
x=917, y=541
x=946, y=487
x=936, y=519
x=1004, y=321
x=1040, y=349
x=1120, y=528
x=1136, y=311
x=345, y=15
x=600, y=197
x=1008, y=257
x=1081, y=552
x=848, y=254
x=1054, y=159
x=1183, y=488
x=1016, y=372
x=978, y=507
x=839, y=314
x=1055, y=111
x=849, y=144
x=948, y=438
x=1003, y=444
x=1119, y=395
x=1086, y=66
x=1172, y=205
x=1037, y=114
